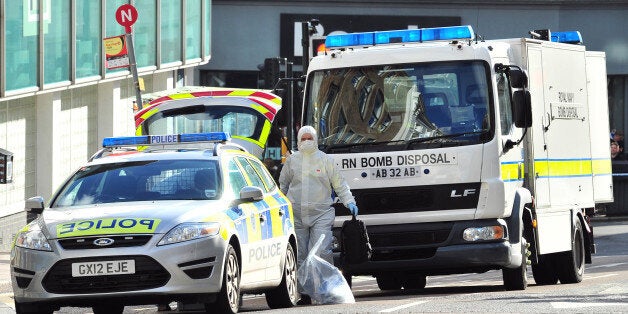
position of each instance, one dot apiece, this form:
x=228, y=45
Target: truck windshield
x=401, y=105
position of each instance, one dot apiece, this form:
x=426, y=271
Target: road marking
x=600, y=276
x=401, y=307
x=607, y=265
x=574, y=305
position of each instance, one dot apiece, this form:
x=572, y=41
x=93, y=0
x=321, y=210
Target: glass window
x=112, y=28
x=193, y=29
x=505, y=108
x=236, y=179
x=170, y=31
x=88, y=38
x=263, y=172
x=252, y=174
x=57, y=43
x=22, y=29
x=145, y=33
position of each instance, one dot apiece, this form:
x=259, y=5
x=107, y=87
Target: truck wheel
x=388, y=282
x=572, y=262
x=544, y=271
x=517, y=278
x=285, y=295
x=108, y=309
x=228, y=299
x=414, y=281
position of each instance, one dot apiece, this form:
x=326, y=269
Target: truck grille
x=148, y=275
x=118, y=241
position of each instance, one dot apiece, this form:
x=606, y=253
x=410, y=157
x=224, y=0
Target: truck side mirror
x=518, y=79
x=522, y=109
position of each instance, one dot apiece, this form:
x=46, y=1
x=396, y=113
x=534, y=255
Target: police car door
x=271, y=221
x=249, y=230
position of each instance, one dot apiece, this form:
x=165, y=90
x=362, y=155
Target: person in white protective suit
x=307, y=178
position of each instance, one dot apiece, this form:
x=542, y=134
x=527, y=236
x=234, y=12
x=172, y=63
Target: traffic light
x=271, y=72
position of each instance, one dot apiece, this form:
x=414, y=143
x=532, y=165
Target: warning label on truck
x=398, y=160
x=566, y=111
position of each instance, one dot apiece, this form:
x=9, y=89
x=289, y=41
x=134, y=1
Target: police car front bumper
x=189, y=271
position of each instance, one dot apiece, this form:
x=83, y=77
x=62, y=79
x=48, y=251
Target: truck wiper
x=413, y=141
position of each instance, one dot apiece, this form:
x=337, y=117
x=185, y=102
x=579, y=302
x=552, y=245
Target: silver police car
x=188, y=218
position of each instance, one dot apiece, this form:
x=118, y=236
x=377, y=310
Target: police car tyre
x=517, y=278
x=27, y=308
x=572, y=262
x=228, y=299
x=544, y=272
x=286, y=294
x=414, y=281
x=388, y=282
x=108, y=309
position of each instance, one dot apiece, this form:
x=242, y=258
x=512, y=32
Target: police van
x=466, y=155
x=192, y=218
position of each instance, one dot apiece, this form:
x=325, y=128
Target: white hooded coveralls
x=308, y=179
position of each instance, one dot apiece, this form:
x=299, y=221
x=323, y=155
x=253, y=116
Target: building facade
x=58, y=99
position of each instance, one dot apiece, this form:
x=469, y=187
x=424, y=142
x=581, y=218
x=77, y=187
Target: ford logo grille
x=103, y=241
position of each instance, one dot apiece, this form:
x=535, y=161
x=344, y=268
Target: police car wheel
x=286, y=294
x=228, y=299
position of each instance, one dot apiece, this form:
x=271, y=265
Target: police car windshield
x=141, y=181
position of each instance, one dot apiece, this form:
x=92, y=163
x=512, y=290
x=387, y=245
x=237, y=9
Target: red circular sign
x=126, y=15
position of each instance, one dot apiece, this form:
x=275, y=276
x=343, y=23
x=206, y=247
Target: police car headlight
x=190, y=231
x=483, y=233
x=32, y=239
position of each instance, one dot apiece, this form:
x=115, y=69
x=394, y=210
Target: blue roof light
x=167, y=139
x=571, y=37
x=399, y=36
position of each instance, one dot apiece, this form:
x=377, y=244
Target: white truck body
x=437, y=185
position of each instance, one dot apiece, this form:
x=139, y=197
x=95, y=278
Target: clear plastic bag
x=322, y=281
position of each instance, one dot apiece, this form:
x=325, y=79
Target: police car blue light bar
x=168, y=139
x=571, y=37
x=399, y=36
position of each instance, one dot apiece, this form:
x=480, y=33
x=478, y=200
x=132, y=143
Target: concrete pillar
x=49, y=176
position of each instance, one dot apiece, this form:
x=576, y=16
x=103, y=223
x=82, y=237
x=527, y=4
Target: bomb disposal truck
x=466, y=155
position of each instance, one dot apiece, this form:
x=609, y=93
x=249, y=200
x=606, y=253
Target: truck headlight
x=32, y=238
x=190, y=231
x=483, y=233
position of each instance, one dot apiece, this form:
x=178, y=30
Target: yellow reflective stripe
x=138, y=130
x=562, y=168
x=602, y=166
x=253, y=225
x=241, y=92
x=265, y=132
x=259, y=108
x=275, y=218
x=276, y=100
x=107, y=226
x=149, y=113
x=510, y=171
x=244, y=138
x=226, y=224
x=181, y=96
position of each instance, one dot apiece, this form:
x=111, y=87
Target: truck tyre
x=544, y=271
x=517, y=278
x=108, y=308
x=285, y=295
x=388, y=282
x=414, y=281
x=228, y=299
x=572, y=262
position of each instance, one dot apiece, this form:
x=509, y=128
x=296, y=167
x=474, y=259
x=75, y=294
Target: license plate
x=104, y=268
x=394, y=173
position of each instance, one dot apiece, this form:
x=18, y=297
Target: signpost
x=126, y=15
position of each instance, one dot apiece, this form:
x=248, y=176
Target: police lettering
x=103, y=224
x=423, y=159
x=265, y=252
x=164, y=139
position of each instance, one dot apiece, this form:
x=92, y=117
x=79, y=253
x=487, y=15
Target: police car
x=191, y=218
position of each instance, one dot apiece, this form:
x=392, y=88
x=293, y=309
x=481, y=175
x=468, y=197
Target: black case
x=355, y=244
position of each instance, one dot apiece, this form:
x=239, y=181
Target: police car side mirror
x=522, y=109
x=251, y=193
x=34, y=205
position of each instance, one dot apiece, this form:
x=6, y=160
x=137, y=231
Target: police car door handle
x=262, y=218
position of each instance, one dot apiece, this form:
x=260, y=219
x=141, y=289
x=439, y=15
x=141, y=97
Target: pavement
x=6, y=300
